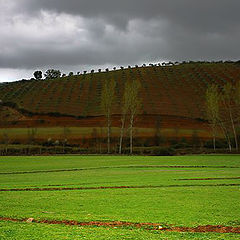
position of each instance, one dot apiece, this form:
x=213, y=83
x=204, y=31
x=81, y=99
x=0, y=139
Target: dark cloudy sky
x=87, y=34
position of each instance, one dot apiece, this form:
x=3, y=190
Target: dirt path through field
x=146, y=226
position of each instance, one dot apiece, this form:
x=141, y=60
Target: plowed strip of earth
x=192, y=179
x=147, y=226
x=112, y=187
x=132, y=166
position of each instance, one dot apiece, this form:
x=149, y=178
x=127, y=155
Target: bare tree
x=228, y=103
x=134, y=107
x=3, y=121
x=225, y=130
x=107, y=100
x=237, y=101
x=125, y=110
x=212, y=110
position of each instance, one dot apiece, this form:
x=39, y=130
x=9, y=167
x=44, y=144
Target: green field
x=163, y=191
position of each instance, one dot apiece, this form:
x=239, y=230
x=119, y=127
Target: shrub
x=219, y=144
x=181, y=145
x=163, y=151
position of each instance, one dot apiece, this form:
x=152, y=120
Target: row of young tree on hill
x=130, y=107
x=50, y=74
x=223, y=112
x=54, y=73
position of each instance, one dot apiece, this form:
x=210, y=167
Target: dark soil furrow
x=113, y=187
x=97, y=168
x=147, y=226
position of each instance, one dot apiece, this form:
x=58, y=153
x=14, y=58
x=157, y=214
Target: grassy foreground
x=25, y=231
x=163, y=194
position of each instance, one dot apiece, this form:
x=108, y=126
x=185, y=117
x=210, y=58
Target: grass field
x=184, y=191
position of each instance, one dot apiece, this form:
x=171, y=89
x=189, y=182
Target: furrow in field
x=147, y=226
x=114, y=187
x=106, y=167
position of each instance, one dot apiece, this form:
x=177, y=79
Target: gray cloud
x=89, y=33
x=194, y=14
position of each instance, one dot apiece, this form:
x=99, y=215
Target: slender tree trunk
x=6, y=149
x=214, y=143
x=229, y=143
x=234, y=130
x=121, y=133
x=214, y=137
x=226, y=136
x=101, y=136
x=131, y=134
x=227, y=104
x=108, y=134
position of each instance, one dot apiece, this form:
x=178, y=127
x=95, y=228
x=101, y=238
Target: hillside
x=171, y=90
x=173, y=97
x=11, y=114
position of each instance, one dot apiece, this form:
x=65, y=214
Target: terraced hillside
x=171, y=90
x=173, y=94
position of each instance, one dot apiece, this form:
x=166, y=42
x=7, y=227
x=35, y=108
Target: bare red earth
x=147, y=226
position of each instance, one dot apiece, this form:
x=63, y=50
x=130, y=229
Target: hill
x=169, y=90
x=173, y=97
x=10, y=114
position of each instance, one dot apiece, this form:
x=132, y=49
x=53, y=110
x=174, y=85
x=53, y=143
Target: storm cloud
x=84, y=34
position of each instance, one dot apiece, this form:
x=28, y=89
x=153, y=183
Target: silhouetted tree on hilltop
x=52, y=73
x=37, y=75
